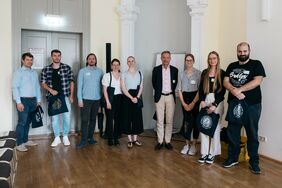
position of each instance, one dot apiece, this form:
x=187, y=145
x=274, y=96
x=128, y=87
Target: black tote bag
x=139, y=100
x=207, y=123
x=57, y=105
x=36, y=117
x=237, y=111
x=111, y=90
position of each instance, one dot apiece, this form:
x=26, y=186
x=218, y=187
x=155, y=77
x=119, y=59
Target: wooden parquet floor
x=119, y=167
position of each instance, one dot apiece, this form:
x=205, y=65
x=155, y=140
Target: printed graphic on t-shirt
x=238, y=77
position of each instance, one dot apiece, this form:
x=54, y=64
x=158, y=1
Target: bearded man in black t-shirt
x=243, y=79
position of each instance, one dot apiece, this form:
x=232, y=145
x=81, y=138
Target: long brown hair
x=217, y=80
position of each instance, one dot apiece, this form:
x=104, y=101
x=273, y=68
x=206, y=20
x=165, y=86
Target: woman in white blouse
x=113, y=95
x=132, y=87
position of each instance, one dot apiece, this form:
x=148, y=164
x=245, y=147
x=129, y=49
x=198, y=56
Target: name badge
x=88, y=74
x=192, y=82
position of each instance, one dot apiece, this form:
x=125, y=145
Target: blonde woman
x=132, y=87
x=211, y=96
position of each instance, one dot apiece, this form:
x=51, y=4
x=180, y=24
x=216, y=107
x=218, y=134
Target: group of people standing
x=205, y=90
x=122, y=94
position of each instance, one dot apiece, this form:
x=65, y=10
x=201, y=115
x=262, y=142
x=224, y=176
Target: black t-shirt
x=239, y=75
x=56, y=80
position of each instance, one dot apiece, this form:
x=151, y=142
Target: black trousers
x=88, y=118
x=251, y=127
x=113, y=118
x=190, y=117
x=132, y=119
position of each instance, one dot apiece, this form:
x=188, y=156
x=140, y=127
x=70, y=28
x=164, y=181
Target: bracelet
x=214, y=104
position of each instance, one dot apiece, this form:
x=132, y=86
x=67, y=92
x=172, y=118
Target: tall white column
x=197, y=11
x=128, y=15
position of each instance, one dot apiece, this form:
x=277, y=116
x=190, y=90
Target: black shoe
x=168, y=146
x=210, y=159
x=104, y=136
x=158, y=146
x=110, y=142
x=229, y=163
x=203, y=159
x=81, y=145
x=116, y=142
x=92, y=141
x=255, y=169
x=101, y=134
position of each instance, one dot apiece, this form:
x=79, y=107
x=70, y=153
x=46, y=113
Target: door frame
x=52, y=42
x=17, y=28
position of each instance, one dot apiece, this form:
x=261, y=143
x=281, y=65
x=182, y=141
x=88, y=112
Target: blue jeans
x=64, y=118
x=251, y=127
x=25, y=119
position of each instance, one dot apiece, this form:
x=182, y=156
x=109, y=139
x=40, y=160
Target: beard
x=56, y=62
x=243, y=58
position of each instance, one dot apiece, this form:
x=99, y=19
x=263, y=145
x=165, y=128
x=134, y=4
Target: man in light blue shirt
x=89, y=93
x=26, y=93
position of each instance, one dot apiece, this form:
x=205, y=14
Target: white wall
x=211, y=36
x=161, y=25
x=265, y=39
x=232, y=29
x=224, y=26
x=6, y=65
x=105, y=25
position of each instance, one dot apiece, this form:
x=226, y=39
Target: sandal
x=129, y=144
x=138, y=143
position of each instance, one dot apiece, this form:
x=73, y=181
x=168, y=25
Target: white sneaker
x=185, y=149
x=21, y=148
x=56, y=141
x=192, y=150
x=30, y=143
x=66, y=141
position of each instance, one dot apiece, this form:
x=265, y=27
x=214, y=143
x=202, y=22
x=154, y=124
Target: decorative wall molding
x=128, y=16
x=197, y=9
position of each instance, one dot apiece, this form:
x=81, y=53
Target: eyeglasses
x=189, y=60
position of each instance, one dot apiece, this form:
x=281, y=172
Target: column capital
x=197, y=2
x=128, y=10
x=197, y=7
